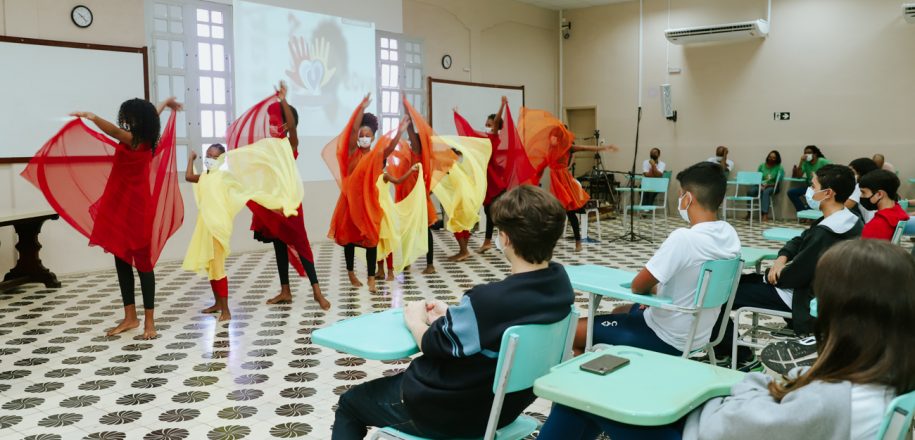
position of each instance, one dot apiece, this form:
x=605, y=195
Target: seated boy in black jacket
x=788, y=285
x=447, y=391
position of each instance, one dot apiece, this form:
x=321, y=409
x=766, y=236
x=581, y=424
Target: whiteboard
x=474, y=102
x=42, y=82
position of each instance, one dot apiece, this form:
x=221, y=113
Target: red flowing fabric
x=125, y=201
x=548, y=144
x=357, y=216
x=261, y=121
x=509, y=165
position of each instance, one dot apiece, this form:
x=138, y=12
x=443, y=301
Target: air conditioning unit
x=908, y=11
x=720, y=32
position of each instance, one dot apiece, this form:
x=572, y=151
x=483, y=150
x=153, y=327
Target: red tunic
x=124, y=200
x=259, y=122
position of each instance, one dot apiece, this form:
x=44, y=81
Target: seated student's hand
x=415, y=312
x=774, y=273
x=435, y=309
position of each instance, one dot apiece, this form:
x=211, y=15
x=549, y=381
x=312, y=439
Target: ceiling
x=569, y=4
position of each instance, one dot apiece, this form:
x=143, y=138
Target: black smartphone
x=604, y=364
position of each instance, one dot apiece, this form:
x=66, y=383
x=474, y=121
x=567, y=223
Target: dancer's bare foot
x=390, y=275
x=211, y=309
x=284, y=297
x=372, y=287
x=577, y=245
x=460, y=256
x=487, y=245
x=319, y=297
x=355, y=281
x=380, y=271
x=429, y=270
x=126, y=324
x=149, y=324
x=225, y=315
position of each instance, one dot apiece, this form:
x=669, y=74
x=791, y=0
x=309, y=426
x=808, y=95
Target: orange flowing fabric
x=357, y=216
x=549, y=145
x=265, y=120
x=123, y=200
x=509, y=165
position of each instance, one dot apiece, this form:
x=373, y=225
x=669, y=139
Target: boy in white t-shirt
x=673, y=272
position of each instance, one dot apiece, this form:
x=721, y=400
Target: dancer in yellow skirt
x=264, y=172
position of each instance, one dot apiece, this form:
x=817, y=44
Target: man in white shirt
x=653, y=167
x=673, y=272
x=721, y=158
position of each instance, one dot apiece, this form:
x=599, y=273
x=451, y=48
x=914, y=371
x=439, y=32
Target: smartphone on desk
x=604, y=364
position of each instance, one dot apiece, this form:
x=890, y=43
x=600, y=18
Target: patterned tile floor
x=257, y=377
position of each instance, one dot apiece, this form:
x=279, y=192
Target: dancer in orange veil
x=549, y=144
x=121, y=194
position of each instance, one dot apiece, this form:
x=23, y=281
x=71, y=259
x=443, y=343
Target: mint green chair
x=897, y=423
x=745, y=179
x=781, y=234
x=809, y=214
x=657, y=185
x=537, y=348
x=900, y=229
x=754, y=256
x=904, y=203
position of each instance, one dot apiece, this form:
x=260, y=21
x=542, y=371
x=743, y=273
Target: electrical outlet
x=781, y=116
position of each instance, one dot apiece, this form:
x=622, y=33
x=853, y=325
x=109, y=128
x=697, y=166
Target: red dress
x=261, y=121
x=508, y=165
x=124, y=200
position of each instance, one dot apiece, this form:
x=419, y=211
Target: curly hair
x=371, y=121
x=140, y=118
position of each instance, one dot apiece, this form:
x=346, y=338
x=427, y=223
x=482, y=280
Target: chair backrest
x=904, y=203
x=900, y=229
x=716, y=281
x=897, y=423
x=667, y=174
x=749, y=178
x=541, y=347
x=655, y=184
x=717, y=286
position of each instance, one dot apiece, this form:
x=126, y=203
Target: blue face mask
x=813, y=204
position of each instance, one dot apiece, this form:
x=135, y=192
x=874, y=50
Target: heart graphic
x=312, y=72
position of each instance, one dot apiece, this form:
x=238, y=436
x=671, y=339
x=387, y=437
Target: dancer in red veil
x=270, y=118
x=121, y=194
x=508, y=166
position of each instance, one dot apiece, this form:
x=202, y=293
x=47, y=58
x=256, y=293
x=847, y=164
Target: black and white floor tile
x=257, y=377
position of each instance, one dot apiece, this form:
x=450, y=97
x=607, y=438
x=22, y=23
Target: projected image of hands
x=309, y=67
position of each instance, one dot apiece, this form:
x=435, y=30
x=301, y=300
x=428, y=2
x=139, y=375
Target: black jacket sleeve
x=799, y=272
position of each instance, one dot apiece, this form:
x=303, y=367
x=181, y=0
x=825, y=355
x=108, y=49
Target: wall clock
x=81, y=16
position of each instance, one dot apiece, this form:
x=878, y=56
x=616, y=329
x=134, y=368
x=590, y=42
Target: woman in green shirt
x=811, y=161
x=772, y=173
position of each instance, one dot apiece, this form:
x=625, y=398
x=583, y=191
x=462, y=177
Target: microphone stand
x=632, y=236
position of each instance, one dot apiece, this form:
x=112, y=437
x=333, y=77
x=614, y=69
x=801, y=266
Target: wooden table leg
x=28, y=266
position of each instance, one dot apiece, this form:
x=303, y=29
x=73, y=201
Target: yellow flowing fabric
x=403, y=224
x=462, y=191
x=264, y=172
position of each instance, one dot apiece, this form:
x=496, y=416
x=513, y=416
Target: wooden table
x=28, y=267
x=654, y=389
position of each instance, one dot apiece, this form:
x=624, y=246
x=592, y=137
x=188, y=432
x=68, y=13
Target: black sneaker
x=749, y=364
x=782, y=357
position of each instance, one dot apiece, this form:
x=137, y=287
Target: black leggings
x=489, y=224
x=371, y=258
x=282, y=264
x=430, y=251
x=576, y=227
x=125, y=280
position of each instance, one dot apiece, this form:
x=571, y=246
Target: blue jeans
x=630, y=329
x=571, y=424
x=377, y=402
x=796, y=195
x=764, y=198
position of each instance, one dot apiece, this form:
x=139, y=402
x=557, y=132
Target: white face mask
x=813, y=204
x=209, y=163
x=364, y=142
x=684, y=212
x=809, y=158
